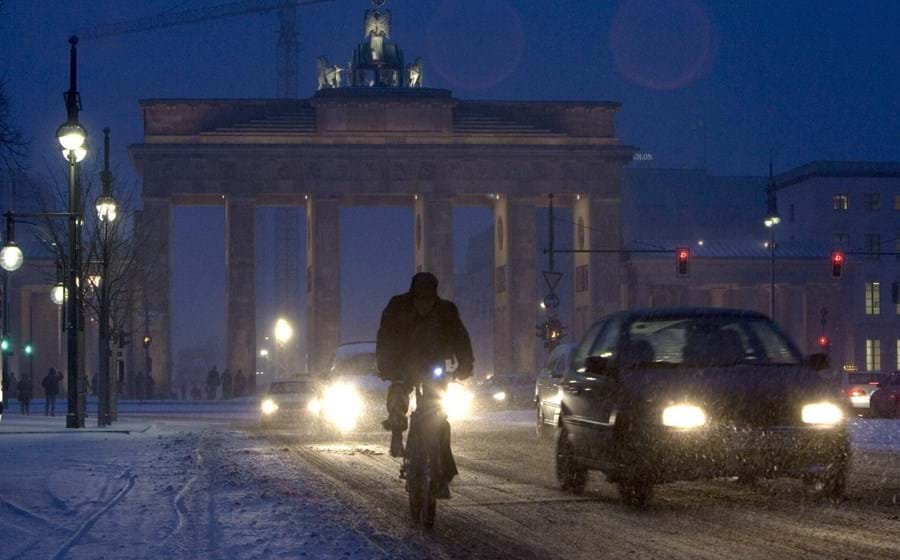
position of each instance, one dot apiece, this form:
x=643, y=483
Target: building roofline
x=830, y=168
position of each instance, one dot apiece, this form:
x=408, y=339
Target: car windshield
x=355, y=359
x=706, y=341
x=289, y=387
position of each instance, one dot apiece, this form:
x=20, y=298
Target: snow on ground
x=148, y=489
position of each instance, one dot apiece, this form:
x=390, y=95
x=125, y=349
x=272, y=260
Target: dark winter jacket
x=212, y=378
x=51, y=383
x=408, y=341
x=24, y=390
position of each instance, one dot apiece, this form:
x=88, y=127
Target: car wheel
x=635, y=492
x=571, y=476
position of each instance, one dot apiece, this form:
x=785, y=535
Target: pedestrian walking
x=51, y=390
x=240, y=384
x=227, y=384
x=23, y=394
x=212, y=383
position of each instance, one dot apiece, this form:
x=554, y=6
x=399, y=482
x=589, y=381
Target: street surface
x=204, y=481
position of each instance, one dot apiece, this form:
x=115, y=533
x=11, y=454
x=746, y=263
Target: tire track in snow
x=90, y=521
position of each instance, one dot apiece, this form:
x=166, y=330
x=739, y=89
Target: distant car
x=885, y=400
x=291, y=402
x=508, y=390
x=546, y=388
x=682, y=394
x=858, y=387
x=352, y=395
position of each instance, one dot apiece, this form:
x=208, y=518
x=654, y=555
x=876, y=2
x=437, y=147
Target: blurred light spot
x=661, y=44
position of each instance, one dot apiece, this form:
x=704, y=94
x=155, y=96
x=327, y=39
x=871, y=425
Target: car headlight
x=823, y=413
x=269, y=407
x=314, y=406
x=342, y=406
x=457, y=401
x=500, y=396
x=683, y=416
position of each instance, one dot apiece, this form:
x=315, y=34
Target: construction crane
x=287, y=47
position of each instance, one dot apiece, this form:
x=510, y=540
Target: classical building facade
x=380, y=138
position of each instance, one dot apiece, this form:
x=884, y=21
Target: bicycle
x=422, y=463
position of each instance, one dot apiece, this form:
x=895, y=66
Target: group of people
x=237, y=385
x=23, y=391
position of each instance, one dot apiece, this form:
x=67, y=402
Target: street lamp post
x=106, y=212
x=72, y=138
x=772, y=220
x=283, y=333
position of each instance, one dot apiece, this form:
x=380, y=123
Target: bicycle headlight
x=683, y=416
x=822, y=413
x=342, y=406
x=269, y=407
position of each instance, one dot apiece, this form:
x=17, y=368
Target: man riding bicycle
x=418, y=330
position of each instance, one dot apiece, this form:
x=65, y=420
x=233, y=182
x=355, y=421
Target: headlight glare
x=823, y=413
x=456, y=401
x=314, y=406
x=500, y=396
x=342, y=406
x=683, y=416
x=269, y=407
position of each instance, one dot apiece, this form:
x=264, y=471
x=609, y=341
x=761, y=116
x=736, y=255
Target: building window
x=897, y=202
x=581, y=278
x=873, y=354
x=873, y=245
x=898, y=354
x=840, y=238
x=841, y=202
x=873, y=298
x=872, y=201
x=895, y=296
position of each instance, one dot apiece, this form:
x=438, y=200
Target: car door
x=602, y=389
x=588, y=404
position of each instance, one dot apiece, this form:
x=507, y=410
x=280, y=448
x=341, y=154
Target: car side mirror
x=818, y=362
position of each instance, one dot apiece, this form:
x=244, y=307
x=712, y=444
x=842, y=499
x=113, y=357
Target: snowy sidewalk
x=167, y=492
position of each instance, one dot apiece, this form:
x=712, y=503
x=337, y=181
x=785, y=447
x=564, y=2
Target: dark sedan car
x=885, y=401
x=682, y=394
x=508, y=390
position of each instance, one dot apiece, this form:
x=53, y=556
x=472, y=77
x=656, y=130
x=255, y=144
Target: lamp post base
x=73, y=421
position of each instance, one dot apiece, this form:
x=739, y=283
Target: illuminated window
x=872, y=201
x=898, y=354
x=841, y=202
x=873, y=298
x=873, y=354
x=897, y=202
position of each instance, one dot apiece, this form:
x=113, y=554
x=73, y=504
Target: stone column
x=434, y=241
x=287, y=280
x=154, y=307
x=597, y=276
x=323, y=281
x=240, y=284
x=515, y=288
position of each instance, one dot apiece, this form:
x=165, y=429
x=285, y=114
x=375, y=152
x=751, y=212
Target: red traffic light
x=837, y=264
x=823, y=341
x=682, y=262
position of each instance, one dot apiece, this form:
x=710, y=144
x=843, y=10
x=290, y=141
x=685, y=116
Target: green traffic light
x=4, y=345
x=29, y=349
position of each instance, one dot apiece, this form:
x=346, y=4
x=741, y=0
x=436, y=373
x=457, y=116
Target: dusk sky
x=809, y=80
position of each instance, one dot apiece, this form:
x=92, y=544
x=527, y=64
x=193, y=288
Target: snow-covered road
x=175, y=480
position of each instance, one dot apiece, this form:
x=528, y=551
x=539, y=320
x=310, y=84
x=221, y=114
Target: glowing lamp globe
x=283, y=331
x=71, y=136
x=11, y=257
x=58, y=294
x=106, y=208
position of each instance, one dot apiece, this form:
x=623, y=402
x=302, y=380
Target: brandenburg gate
x=373, y=135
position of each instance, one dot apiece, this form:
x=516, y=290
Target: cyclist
x=418, y=330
